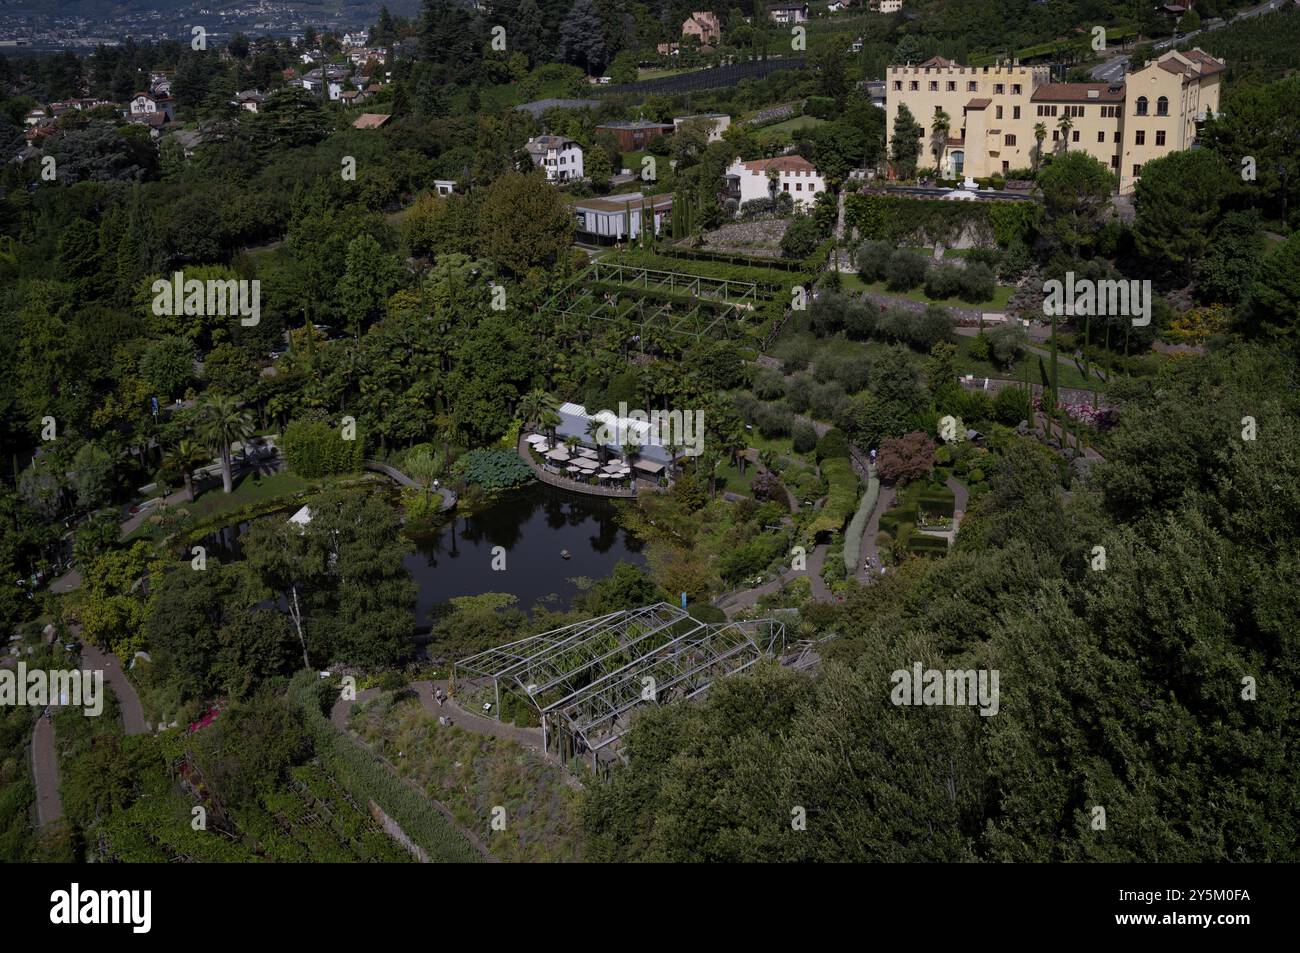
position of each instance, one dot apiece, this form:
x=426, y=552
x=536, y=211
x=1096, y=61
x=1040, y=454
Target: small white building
x=444, y=186
x=718, y=123
x=561, y=157
x=791, y=13
x=768, y=178
x=617, y=218
x=147, y=104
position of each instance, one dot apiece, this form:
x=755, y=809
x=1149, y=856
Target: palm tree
x=1040, y=133
x=184, y=458
x=1065, y=124
x=218, y=424
x=631, y=450
x=594, y=428
x=549, y=421
x=939, y=126
x=534, y=405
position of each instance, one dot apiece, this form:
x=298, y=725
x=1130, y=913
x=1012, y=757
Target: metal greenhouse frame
x=586, y=680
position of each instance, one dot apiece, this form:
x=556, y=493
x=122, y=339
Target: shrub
x=774, y=420
x=931, y=327
x=906, y=459
x=976, y=283
x=798, y=392
x=943, y=281
x=801, y=237
x=833, y=443
x=852, y=371
x=860, y=320
x=905, y=271
x=767, y=486
x=979, y=347
x=873, y=260
x=768, y=384
x=805, y=437
x=1011, y=405
x=1006, y=343
x=825, y=400
x=312, y=448
x=794, y=354
x=828, y=312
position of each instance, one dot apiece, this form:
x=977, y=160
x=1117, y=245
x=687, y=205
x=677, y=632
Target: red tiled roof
x=1078, y=93
x=980, y=103
x=936, y=61
x=781, y=164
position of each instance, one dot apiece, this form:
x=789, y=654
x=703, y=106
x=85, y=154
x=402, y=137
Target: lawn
x=1001, y=294
x=730, y=480
x=209, y=505
x=797, y=124
x=1067, y=374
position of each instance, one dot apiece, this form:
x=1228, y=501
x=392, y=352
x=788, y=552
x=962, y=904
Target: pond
x=534, y=525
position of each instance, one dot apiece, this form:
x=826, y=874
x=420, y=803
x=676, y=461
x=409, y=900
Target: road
x=45, y=773
x=128, y=701
x=1112, y=71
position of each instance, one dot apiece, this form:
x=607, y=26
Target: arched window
x=1142, y=106
x=1162, y=106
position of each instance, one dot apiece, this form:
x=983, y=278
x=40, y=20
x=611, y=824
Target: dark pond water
x=534, y=525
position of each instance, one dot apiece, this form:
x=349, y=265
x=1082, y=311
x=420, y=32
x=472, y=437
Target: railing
x=449, y=497
x=564, y=483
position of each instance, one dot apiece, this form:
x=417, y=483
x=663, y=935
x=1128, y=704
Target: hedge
x=841, y=498
x=858, y=525
x=314, y=449
x=366, y=779
x=914, y=221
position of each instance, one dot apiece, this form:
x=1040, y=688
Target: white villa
x=767, y=178
x=561, y=157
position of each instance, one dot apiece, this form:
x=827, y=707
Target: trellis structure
x=712, y=307
x=587, y=680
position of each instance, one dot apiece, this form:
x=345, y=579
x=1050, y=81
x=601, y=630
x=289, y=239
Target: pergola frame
x=586, y=680
x=721, y=301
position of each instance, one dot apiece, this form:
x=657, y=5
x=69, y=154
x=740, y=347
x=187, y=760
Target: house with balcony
x=559, y=156
x=767, y=178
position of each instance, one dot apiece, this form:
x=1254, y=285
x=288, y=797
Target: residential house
x=788, y=13
x=249, y=99
x=147, y=104
x=559, y=156
x=767, y=178
x=619, y=218
x=704, y=26
x=635, y=136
